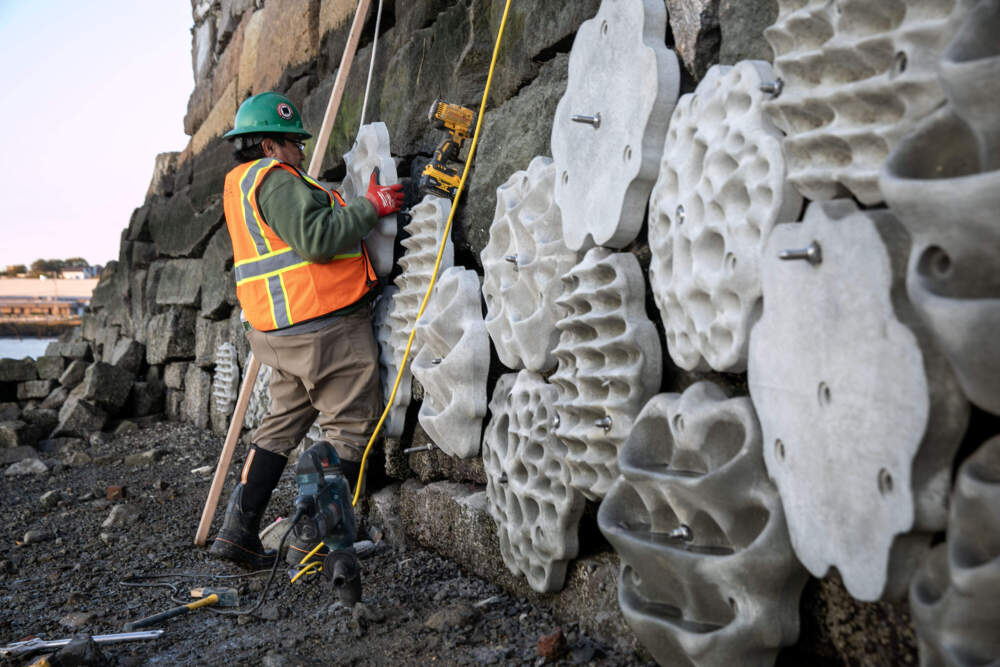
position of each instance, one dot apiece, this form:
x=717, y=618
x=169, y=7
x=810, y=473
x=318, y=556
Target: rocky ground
x=66, y=548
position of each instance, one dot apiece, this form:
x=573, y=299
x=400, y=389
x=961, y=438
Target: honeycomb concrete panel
x=522, y=267
x=370, y=151
x=721, y=189
x=528, y=494
x=708, y=573
x=425, y=229
x=955, y=596
x=860, y=414
x=856, y=78
x=388, y=361
x=260, y=398
x=453, y=363
x=943, y=182
x=609, y=364
x=225, y=379
x=623, y=83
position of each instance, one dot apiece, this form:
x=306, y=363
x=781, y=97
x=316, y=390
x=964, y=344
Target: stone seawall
x=726, y=398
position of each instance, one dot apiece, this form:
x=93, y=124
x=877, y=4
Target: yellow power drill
x=437, y=177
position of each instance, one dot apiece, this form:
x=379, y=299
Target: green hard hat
x=267, y=112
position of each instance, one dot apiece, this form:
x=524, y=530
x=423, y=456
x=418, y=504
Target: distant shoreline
x=36, y=329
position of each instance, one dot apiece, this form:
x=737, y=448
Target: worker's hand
x=385, y=198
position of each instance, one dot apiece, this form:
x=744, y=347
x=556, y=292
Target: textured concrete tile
x=621, y=70
x=721, y=189
x=943, y=182
x=609, y=364
x=955, y=596
x=371, y=151
x=453, y=363
x=425, y=229
x=860, y=414
x=522, y=267
x=708, y=571
x=528, y=494
x=857, y=77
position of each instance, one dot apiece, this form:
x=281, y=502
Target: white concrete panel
x=225, y=378
x=955, y=596
x=625, y=80
x=721, y=189
x=708, y=573
x=856, y=77
x=535, y=509
x=522, y=267
x=943, y=182
x=425, y=229
x=860, y=415
x=609, y=364
x=389, y=359
x=370, y=151
x=453, y=363
x=260, y=398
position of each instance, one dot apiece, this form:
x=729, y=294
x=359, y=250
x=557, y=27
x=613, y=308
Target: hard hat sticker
x=285, y=110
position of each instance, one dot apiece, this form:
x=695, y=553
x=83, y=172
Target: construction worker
x=305, y=283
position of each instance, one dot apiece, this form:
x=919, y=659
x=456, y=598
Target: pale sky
x=91, y=92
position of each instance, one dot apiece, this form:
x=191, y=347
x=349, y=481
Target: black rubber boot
x=238, y=540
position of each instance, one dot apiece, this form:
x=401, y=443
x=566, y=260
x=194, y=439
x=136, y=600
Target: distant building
x=80, y=272
x=38, y=299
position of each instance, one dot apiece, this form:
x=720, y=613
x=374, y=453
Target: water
x=12, y=348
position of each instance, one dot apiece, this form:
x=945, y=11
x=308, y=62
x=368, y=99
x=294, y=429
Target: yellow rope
x=440, y=253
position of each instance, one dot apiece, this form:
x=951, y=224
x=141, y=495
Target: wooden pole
x=323, y=138
x=236, y=425
x=226, y=457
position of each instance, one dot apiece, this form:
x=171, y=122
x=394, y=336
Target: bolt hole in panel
x=520, y=437
x=857, y=77
x=621, y=69
x=943, y=182
x=863, y=414
x=955, y=595
x=522, y=266
x=371, y=150
x=708, y=573
x=453, y=362
x=424, y=232
x=721, y=189
x=609, y=364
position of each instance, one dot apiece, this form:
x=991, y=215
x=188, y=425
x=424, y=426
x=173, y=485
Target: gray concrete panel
x=624, y=79
x=708, y=574
x=610, y=364
x=522, y=267
x=721, y=189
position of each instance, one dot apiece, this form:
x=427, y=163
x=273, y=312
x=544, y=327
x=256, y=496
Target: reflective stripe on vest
x=275, y=260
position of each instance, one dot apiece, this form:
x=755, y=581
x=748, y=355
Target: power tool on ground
x=437, y=177
x=324, y=501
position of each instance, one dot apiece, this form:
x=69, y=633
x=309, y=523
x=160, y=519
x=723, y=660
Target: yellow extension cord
x=440, y=253
x=314, y=566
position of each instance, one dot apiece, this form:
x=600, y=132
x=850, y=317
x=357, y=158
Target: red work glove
x=385, y=198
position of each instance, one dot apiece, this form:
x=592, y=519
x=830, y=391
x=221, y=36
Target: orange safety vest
x=275, y=285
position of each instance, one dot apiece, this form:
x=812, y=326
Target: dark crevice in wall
x=387, y=23
x=548, y=53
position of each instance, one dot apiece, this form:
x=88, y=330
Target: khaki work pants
x=332, y=372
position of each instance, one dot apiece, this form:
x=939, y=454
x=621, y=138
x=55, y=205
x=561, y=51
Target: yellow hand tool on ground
x=224, y=597
x=437, y=177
